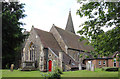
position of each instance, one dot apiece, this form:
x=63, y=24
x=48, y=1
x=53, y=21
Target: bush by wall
x=110, y=69
x=58, y=71
x=52, y=75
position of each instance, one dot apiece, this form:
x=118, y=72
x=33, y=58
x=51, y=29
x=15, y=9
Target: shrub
x=52, y=75
x=58, y=71
x=55, y=75
x=110, y=69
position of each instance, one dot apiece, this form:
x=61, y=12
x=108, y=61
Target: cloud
x=43, y=13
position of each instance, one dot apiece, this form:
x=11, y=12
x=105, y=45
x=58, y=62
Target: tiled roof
x=67, y=59
x=111, y=56
x=114, y=55
x=48, y=39
x=72, y=40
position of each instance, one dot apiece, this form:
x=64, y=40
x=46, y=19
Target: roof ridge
x=69, y=38
x=66, y=31
x=42, y=30
x=46, y=39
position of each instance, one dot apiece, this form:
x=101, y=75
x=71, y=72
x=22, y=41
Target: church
x=57, y=48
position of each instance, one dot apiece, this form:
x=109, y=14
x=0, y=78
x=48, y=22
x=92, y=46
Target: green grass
x=85, y=73
x=82, y=73
x=18, y=73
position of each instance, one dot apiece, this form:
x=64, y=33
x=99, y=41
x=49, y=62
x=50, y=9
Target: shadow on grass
x=61, y=78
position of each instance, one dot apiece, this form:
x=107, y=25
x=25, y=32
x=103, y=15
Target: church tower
x=69, y=25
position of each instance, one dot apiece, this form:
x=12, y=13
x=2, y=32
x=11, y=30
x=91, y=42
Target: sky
x=43, y=14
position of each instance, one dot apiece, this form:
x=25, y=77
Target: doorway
x=50, y=66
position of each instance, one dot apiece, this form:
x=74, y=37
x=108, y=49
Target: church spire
x=69, y=26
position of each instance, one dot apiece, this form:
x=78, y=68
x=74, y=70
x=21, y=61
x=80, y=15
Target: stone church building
x=57, y=48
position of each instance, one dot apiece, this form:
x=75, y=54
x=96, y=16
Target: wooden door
x=50, y=65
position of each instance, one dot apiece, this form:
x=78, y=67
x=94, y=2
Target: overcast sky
x=44, y=13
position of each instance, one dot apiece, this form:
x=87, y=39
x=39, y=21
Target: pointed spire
x=69, y=26
x=53, y=25
x=32, y=26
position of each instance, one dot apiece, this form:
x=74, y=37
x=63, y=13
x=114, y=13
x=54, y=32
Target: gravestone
x=80, y=67
x=92, y=67
x=12, y=67
x=87, y=66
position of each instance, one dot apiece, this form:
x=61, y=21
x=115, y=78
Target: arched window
x=114, y=63
x=70, y=62
x=32, y=52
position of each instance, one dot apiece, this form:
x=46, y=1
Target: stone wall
x=43, y=55
x=33, y=38
x=54, y=58
x=59, y=39
x=45, y=59
x=74, y=54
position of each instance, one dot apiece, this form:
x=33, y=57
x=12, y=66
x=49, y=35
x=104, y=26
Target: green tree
x=12, y=36
x=101, y=15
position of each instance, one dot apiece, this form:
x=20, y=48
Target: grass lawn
x=85, y=73
x=82, y=73
x=18, y=73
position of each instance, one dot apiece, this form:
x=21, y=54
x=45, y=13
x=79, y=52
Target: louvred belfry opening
x=50, y=65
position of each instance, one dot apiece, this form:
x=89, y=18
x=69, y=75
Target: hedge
x=110, y=69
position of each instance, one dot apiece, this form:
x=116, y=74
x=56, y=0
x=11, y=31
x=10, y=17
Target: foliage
x=100, y=15
x=58, y=70
x=52, y=75
x=55, y=75
x=12, y=35
x=107, y=42
x=86, y=56
x=81, y=55
x=118, y=57
x=109, y=69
